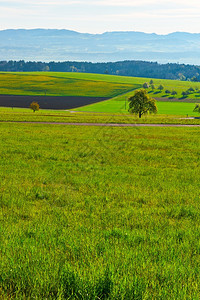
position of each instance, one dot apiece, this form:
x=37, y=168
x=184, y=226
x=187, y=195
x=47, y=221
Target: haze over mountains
x=65, y=45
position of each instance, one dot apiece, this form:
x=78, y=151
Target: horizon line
x=98, y=33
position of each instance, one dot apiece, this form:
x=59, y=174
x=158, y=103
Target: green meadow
x=83, y=84
x=117, y=88
x=164, y=108
x=99, y=213
x=60, y=116
x=64, y=84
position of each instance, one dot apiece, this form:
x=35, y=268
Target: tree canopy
x=124, y=68
x=146, y=85
x=161, y=87
x=141, y=103
x=197, y=108
x=34, y=106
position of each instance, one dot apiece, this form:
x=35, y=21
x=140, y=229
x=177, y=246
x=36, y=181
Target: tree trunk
x=140, y=114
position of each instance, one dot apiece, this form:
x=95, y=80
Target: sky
x=97, y=16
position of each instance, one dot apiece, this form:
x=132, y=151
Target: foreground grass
x=99, y=213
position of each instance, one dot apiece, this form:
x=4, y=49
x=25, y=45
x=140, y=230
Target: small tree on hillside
x=173, y=93
x=146, y=85
x=151, y=81
x=34, y=106
x=141, y=103
x=191, y=90
x=161, y=87
x=197, y=108
x=167, y=91
x=184, y=94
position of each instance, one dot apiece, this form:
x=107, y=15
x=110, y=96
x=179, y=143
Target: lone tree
x=141, y=103
x=173, y=93
x=146, y=85
x=161, y=87
x=34, y=106
x=197, y=108
x=191, y=90
x=184, y=94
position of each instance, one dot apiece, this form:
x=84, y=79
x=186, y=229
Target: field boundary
x=105, y=124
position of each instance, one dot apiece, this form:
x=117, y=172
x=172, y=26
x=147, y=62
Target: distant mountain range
x=65, y=45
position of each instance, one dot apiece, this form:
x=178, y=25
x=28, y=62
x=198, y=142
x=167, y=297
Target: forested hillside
x=123, y=68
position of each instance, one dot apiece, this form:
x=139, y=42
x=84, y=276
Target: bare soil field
x=48, y=102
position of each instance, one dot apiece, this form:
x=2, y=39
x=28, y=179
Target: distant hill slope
x=62, y=45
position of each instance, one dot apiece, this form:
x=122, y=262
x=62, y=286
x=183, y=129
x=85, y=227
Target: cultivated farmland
x=98, y=212
x=72, y=90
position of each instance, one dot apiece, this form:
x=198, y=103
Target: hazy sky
x=96, y=16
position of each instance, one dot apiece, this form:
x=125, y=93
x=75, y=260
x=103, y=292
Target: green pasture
x=164, y=108
x=99, y=213
x=118, y=88
x=83, y=84
x=51, y=84
x=26, y=115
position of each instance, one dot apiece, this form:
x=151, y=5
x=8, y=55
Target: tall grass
x=99, y=213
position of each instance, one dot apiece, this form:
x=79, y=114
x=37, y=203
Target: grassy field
x=26, y=115
x=118, y=88
x=64, y=84
x=164, y=108
x=99, y=213
x=83, y=84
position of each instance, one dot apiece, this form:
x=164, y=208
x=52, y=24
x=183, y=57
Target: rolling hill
x=61, y=45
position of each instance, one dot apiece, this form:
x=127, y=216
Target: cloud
x=102, y=15
x=106, y=3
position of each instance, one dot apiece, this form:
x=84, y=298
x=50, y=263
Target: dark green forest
x=123, y=68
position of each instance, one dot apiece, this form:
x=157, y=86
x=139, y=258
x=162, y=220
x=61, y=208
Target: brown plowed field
x=48, y=102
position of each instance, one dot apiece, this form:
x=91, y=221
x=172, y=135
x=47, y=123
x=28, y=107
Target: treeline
x=123, y=68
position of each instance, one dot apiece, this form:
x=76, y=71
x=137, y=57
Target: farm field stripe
x=106, y=124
